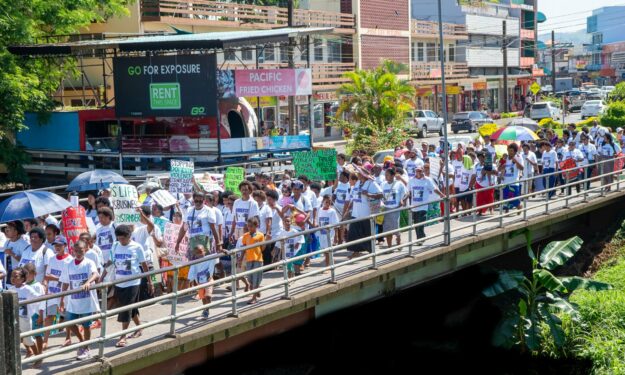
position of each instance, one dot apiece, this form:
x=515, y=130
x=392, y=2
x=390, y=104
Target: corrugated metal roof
x=212, y=40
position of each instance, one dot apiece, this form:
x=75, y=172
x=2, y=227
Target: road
x=433, y=138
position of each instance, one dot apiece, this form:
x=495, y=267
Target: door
x=433, y=122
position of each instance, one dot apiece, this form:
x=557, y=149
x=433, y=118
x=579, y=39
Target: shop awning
x=200, y=41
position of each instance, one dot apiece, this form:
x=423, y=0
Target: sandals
x=121, y=343
x=67, y=343
x=135, y=334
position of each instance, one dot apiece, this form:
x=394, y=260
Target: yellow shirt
x=254, y=254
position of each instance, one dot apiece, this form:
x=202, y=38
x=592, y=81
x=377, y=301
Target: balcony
x=527, y=62
x=429, y=29
x=527, y=34
x=432, y=70
x=239, y=16
x=325, y=76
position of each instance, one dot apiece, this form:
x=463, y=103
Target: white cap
x=619, y=130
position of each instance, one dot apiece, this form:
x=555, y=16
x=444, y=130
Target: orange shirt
x=254, y=254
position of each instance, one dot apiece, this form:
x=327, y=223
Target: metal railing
x=444, y=238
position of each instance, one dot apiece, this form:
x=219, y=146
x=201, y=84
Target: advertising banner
x=180, y=85
x=264, y=82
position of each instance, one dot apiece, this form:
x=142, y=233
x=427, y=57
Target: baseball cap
x=619, y=130
x=59, y=240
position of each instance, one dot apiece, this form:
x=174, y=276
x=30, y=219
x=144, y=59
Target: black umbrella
x=525, y=122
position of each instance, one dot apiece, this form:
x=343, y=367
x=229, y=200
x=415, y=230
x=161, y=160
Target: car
x=424, y=121
x=592, y=108
x=469, y=121
x=379, y=156
x=543, y=110
x=454, y=140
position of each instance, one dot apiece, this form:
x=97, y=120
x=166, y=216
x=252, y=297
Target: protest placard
x=124, y=201
x=316, y=165
x=170, y=235
x=180, y=176
x=435, y=167
x=164, y=198
x=74, y=224
x=160, y=223
x=234, y=176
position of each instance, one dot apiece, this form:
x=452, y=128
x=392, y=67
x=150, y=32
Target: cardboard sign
x=124, y=200
x=316, y=165
x=234, y=176
x=435, y=167
x=569, y=169
x=180, y=176
x=164, y=198
x=74, y=224
x=211, y=186
x=170, y=235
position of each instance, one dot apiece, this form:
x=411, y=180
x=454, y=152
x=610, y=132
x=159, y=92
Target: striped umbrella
x=514, y=133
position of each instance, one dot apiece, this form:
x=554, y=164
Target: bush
x=588, y=122
x=614, y=116
x=549, y=123
x=368, y=136
x=511, y=114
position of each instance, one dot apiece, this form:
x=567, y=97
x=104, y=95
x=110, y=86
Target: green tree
x=536, y=300
x=26, y=83
x=618, y=94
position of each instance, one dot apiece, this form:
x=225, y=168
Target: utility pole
x=553, y=62
x=505, y=69
x=447, y=227
x=293, y=128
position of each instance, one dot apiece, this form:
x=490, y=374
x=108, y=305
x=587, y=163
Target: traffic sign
x=535, y=88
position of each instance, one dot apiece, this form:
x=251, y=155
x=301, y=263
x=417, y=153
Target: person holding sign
x=421, y=192
x=243, y=209
x=574, y=157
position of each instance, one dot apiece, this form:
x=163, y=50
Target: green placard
x=232, y=179
x=165, y=96
x=316, y=165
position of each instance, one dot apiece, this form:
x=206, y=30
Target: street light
x=441, y=54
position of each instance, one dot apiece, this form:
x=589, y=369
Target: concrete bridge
x=177, y=338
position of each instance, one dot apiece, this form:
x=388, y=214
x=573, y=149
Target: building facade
x=606, y=30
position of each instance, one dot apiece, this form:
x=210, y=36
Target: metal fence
x=413, y=246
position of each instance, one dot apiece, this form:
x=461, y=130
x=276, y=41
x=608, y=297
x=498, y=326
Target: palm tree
x=377, y=95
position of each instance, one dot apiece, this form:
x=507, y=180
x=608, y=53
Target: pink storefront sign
x=273, y=82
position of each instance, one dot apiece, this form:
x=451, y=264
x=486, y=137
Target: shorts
x=34, y=319
x=26, y=325
x=467, y=197
x=127, y=296
x=206, y=292
x=256, y=277
x=71, y=316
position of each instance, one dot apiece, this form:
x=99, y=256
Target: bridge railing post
x=174, y=303
x=330, y=256
x=285, y=273
x=233, y=284
x=548, y=192
x=447, y=221
x=410, y=223
x=568, y=190
x=474, y=205
x=11, y=360
x=103, y=307
x=374, y=264
x=501, y=206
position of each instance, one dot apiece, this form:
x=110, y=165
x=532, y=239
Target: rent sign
x=179, y=85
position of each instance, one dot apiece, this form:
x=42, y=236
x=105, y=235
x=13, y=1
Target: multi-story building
x=607, y=32
x=482, y=49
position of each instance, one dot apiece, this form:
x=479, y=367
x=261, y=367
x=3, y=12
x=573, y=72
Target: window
x=284, y=54
x=304, y=49
x=420, y=55
x=247, y=55
x=230, y=56
x=266, y=54
x=413, y=55
x=597, y=38
x=452, y=53
x=334, y=51
x=318, y=50
x=431, y=52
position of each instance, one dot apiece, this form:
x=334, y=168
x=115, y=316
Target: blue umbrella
x=95, y=180
x=31, y=204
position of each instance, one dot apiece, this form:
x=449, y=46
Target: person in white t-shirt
x=129, y=261
x=3, y=276
x=412, y=163
x=56, y=266
x=421, y=191
x=511, y=170
x=149, y=236
x=243, y=208
x=265, y=215
x=327, y=216
x=105, y=238
x=202, y=273
x=80, y=274
x=365, y=193
x=577, y=158
x=276, y=222
x=590, y=157
x=341, y=194
x=25, y=293
x=289, y=247
x=37, y=253
x=394, y=191
x=15, y=244
x=549, y=161
x=530, y=164
x=201, y=223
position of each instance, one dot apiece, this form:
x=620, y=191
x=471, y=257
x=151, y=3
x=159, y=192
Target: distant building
x=607, y=51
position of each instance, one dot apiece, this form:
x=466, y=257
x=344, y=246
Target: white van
x=543, y=110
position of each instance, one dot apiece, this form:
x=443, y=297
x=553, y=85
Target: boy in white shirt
x=202, y=273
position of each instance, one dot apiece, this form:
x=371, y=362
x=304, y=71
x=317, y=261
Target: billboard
x=264, y=82
x=180, y=85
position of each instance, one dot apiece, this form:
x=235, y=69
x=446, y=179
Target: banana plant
x=536, y=300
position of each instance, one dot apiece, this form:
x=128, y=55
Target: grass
x=600, y=333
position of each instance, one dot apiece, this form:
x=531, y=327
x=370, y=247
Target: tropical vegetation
x=377, y=101
x=614, y=115
x=536, y=303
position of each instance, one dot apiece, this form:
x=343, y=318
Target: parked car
x=592, y=108
x=379, y=156
x=424, y=121
x=543, y=110
x=469, y=121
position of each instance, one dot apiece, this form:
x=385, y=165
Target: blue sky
x=570, y=15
